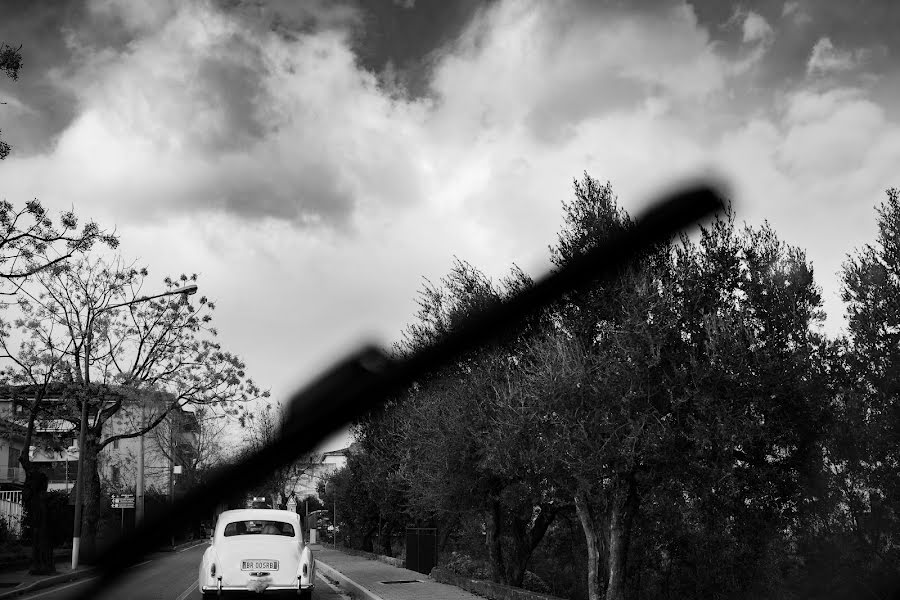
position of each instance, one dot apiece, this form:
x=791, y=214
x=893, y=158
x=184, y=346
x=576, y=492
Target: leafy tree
x=437, y=438
x=866, y=442
x=685, y=382
x=357, y=514
x=680, y=409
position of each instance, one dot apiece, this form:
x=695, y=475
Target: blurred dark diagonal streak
x=367, y=377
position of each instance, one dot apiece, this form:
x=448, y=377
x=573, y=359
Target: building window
x=115, y=444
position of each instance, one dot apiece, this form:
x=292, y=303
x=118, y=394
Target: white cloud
x=796, y=13
x=756, y=28
x=757, y=37
x=825, y=58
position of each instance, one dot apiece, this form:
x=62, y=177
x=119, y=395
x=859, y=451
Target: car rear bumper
x=270, y=588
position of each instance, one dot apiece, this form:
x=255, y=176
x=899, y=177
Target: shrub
x=465, y=565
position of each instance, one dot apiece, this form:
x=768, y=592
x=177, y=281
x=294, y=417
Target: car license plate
x=259, y=565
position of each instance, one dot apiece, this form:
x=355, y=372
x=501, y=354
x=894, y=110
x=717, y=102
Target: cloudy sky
x=312, y=160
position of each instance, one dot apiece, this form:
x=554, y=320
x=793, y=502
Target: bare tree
x=201, y=449
x=261, y=427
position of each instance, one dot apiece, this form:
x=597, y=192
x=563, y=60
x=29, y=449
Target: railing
x=14, y=496
x=11, y=510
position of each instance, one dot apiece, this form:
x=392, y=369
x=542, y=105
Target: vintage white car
x=257, y=550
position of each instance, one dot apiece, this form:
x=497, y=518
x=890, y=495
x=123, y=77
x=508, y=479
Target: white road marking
x=53, y=590
x=140, y=564
x=190, y=547
x=188, y=591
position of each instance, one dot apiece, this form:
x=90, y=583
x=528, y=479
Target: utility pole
x=172, y=466
x=139, y=500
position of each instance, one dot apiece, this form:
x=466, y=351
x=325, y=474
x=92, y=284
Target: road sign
x=123, y=501
x=292, y=504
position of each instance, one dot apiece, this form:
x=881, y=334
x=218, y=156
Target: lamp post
x=79, y=481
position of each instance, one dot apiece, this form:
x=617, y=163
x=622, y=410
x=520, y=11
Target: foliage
x=862, y=493
x=10, y=62
x=7, y=536
x=677, y=419
x=358, y=517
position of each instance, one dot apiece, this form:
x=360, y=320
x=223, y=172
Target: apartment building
x=55, y=447
x=315, y=472
x=12, y=442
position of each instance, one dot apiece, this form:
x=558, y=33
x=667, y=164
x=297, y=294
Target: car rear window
x=258, y=528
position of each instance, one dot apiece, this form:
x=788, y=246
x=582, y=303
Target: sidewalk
x=367, y=578
x=18, y=581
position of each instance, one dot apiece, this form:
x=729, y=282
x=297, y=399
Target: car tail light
x=305, y=567
x=212, y=570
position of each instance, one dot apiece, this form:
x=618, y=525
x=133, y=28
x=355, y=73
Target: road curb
x=48, y=582
x=355, y=589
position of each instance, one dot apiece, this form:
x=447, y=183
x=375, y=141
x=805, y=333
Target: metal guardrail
x=366, y=378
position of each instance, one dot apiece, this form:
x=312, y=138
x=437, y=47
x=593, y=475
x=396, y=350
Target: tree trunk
x=596, y=546
x=524, y=541
x=517, y=557
x=368, y=541
x=622, y=510
x=494, y=544
x=34, y=500
x=446, y=531
x=385, y=539
x=92, y=498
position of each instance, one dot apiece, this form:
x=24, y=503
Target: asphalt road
x=164, y=576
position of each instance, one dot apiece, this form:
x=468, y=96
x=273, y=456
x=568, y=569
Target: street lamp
x=139, y=492
x=186, y=290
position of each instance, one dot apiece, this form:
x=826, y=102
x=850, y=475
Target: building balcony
x=12, y=475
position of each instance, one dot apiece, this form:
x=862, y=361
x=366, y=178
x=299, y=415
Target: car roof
x=258, y=514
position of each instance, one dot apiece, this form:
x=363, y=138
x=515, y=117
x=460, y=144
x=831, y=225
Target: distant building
x=327, y=463
x=12, y=441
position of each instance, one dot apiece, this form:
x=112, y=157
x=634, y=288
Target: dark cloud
x=37, y=110
x=230, y=80
x=290, y=17
x=408, y=40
